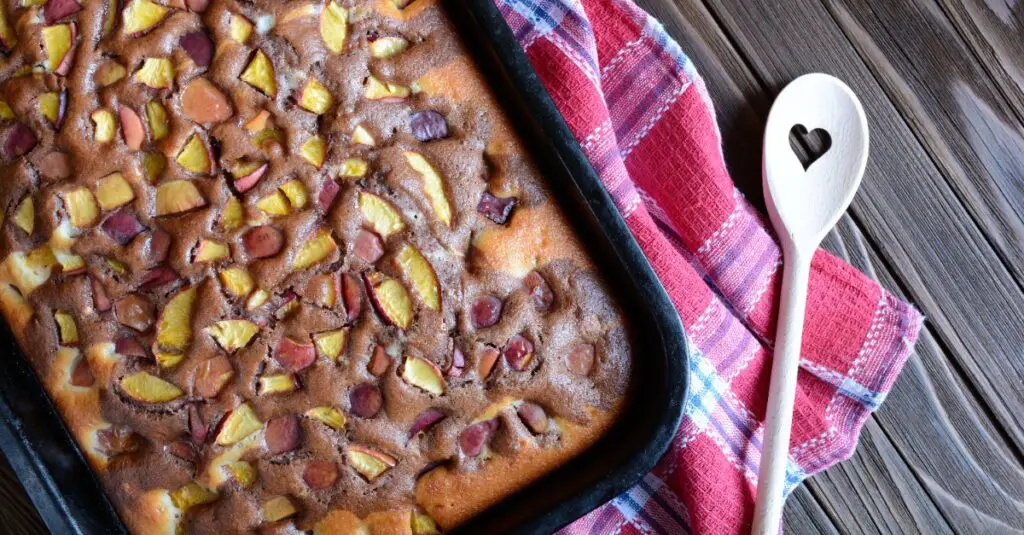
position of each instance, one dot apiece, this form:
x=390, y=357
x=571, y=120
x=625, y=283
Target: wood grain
x=940, y=221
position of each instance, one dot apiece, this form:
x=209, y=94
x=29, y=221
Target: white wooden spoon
x=804, y=205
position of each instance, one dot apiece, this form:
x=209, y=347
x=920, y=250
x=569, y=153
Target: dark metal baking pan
x=70, y=500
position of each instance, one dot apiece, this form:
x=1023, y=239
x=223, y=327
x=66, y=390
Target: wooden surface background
x=939, y=220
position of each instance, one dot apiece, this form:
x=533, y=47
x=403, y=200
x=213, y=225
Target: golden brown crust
x=201, y=381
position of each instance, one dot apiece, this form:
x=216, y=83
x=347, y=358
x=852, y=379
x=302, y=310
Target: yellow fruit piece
x=81, y=206
x=67, y=329
x=382, y=215
x=378, y=90
x=258, y=122
x=116, y=265
x=330, y=416
x=275, y=204
x=331, y=343
x=49, y=105
x=211, y=251
x=296, y=193
x=105, y=128
x=28, y=271
x=422, y=373
x=15, y=308
x=369, y=463
x=433, y=186
x=193, y=156
x=110, y=73
x=334, y=26
x=6, y=113
x=317, y=249
x=57, y=42
x=314, y=151
x=239, y=28
x=387, y=46
x=424, y=525
x=157, y=73
x=177, y=196
x=362, y=136
x=278, y=508
x=353, y=168
x=233, y=335
x=420, y=273
x=395, y=301
x=191, y=495
x=242, y=472
x=316, y=97
x=149, y=388
x=153, y=165
x=174, y=329
x=159, y=125
x=233, y=215
x=69, y=263
x=238, y=424
x=260, y=74
x=281, y=383
x=142, y=15
x=113, y=191
x=257, y=299
x=237, y=281
x=25, y=215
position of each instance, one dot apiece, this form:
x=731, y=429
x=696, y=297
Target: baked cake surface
x=285, y=266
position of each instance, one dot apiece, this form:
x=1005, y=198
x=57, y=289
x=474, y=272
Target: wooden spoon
x=804, y=205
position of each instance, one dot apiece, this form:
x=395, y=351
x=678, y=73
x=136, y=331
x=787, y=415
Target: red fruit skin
x=247, y=182
x=130, y=347
x=294, y=356
x=518, y=352
x=320, y=475
x=327, y=195
x=485, y=311
x=158, y=276
x=197, y=5
x=100, y=300
x=283, y=434
x=379, y=361
x=366, y=400
x=122, y=226
x=580, y=360
x=263, y=241
x=458, y=364
x=352, y=295
x=183, y=450
x=425, y=420
x=539, y=290
x=473, y=438
x=20, y=140
x=533, y=416
x=55, y=10
x=159, y=246
x=428, y=125
x=368, y=246
x=81, y=374
x=496, y=209
x=197, y=428
x=198, y=47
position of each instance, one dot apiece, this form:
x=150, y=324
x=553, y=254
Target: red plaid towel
x=643, y=117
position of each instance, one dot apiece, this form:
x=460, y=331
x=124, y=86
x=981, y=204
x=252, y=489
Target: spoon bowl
x=803, y=205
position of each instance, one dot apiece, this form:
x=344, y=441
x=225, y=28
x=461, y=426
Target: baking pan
x=70, y=499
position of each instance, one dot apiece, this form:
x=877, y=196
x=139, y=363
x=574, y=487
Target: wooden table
x=939, y=220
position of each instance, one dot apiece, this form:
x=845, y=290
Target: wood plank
x=992, y=29
x=906, y=207
x=803, y=514
x=941, y=432
x=16, y=513
x=952, y=106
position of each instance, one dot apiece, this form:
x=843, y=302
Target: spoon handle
x=781, y=393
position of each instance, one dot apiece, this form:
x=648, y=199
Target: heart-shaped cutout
x=809, y=147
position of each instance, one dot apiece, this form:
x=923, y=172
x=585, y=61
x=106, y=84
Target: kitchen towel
x=645, y=121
